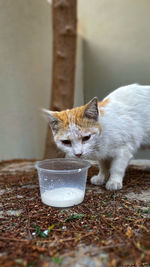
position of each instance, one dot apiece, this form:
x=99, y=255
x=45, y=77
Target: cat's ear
x=91, y=110
x=53, y=120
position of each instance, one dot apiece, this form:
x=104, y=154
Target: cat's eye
x=86, y=138
x=66, y=142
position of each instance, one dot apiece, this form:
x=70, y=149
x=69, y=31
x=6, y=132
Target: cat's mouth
x=76, y=156
x=79, y=155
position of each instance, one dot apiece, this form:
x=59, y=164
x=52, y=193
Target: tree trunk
x=64, y=14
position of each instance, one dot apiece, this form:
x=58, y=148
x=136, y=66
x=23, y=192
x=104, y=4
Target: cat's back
x=128, y=111
x=131, y=105
x=130, y=95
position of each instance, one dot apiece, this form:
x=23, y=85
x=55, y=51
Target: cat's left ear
x=53, y=121
x=91, y=110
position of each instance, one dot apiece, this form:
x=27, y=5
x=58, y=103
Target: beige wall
x=25, y=54
x=116, y=45
x=25, y=80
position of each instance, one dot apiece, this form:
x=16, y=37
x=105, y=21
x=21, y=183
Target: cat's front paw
x=98, y=179
x=113, y=185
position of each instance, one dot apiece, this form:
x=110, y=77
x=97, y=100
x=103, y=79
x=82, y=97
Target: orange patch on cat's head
x=70, y=115
x=81, y=116
x=76, y=116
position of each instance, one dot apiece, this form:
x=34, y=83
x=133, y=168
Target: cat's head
x=76, y=131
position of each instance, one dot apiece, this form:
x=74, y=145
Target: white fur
x=86, y=149
x=125, y=128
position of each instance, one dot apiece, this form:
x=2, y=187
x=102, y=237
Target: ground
x=107, y=229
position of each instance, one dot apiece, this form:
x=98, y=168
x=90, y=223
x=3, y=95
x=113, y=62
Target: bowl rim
x=87, y=165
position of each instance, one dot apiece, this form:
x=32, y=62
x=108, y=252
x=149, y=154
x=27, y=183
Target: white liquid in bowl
x=63, y=197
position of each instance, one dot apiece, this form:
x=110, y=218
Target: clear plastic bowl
x=62, y=181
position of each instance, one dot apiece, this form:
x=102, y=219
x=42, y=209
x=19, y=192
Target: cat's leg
x=117, y=169
x=103, y=173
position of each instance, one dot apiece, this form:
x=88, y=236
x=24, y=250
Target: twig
x=14, y=239
x=114, y=246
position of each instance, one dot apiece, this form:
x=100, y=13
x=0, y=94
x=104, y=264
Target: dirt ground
x=107, y=229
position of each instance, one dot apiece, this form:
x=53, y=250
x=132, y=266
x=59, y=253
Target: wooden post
x=64, y=14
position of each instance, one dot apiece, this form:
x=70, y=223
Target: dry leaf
x=129, y=232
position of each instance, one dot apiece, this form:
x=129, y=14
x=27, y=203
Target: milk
x=63, y=197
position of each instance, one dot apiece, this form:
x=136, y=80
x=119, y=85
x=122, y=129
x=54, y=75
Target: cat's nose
x=78, y=155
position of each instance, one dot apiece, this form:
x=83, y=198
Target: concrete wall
x=25, y=76
x=116, y=45
x=25, y=55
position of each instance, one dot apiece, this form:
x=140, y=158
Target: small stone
x=45, y=232
x=34, y=233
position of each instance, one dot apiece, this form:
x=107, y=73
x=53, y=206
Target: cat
x=110, y=131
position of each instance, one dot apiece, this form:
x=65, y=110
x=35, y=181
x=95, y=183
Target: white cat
x=110, y=131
